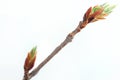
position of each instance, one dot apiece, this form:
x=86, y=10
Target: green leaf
x=108, y=8
x=95, y=9
x=33, y=51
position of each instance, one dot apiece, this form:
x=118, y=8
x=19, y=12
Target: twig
x=92, y=14
x=57, y=49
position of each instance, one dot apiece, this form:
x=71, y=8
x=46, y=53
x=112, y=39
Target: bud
x=97, y=12
x=30, y=59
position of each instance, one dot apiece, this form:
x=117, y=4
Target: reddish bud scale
x=29, y=61
x=87, y=14
x=94, y=15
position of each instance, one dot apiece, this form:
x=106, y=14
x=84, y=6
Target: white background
x=94, y=53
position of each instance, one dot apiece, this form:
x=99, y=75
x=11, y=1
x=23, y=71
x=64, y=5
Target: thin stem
x=65, y=42
x=26, y=76
x=68, y=39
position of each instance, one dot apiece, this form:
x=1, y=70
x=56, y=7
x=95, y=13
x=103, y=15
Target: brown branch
x=26, y=76
x=90, y=16
x=68, y=39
